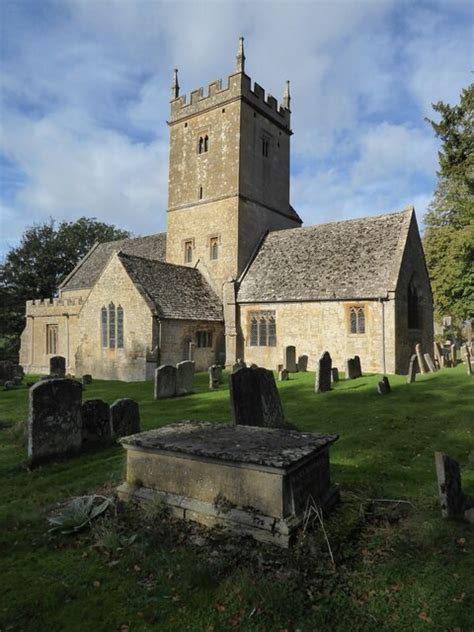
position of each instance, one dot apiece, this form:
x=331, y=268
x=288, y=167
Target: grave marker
x=323, y=373
x=57, y=366
x=290, y=359
x=165, y=381
x=96, y=425
x=419, y=356
x=184, y=377
x=430, y=363
x=451, y=496
x=254, y=399
x=303, y=363
x=411, y=377
x=124, y=417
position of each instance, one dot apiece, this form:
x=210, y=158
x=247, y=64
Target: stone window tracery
x=111, y=321
x=262, y=329
x=52, y=339
x=413, y=307
x=357, y=319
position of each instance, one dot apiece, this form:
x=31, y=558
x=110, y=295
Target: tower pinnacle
x=286, y=96
x=175, y=85
x=241, y=56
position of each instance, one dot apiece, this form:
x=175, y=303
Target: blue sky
x=85, y=89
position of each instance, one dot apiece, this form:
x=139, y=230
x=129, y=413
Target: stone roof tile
x=350, y=259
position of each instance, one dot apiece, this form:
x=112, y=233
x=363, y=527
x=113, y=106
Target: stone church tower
x=229, y=174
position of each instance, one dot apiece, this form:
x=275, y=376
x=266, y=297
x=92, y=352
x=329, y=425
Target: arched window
x=120, y=327
x=214, y=244
x=271, y=332
x=112, y=326
x=413, y=307
x=103, y=320
x=206, y=142
x=357, y=319
x=253, y=332
x=200, y=145
x=262, y=332
x=188, y=251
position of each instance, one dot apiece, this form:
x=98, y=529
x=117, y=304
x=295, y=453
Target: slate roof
x=351, y=259
x=173, y=291
x=88, y=270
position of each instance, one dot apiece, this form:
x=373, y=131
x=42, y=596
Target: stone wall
x=129, y=363
x=176, y=336
x=324, y=326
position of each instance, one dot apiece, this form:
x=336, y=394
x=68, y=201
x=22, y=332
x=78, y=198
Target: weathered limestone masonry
x=254, y=481
x=56, y=321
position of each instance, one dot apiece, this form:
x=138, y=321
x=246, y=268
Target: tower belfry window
x=206, y=142
x=203, y=144
x=413, y=305
x=265, y=145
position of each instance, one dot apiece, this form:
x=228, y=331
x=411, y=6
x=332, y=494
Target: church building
x=236, y=275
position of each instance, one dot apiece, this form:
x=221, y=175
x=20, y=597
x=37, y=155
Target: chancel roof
x=86, y=273
x=351, y=259
x=173, y=291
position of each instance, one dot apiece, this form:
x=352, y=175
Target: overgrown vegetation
x=398, y=565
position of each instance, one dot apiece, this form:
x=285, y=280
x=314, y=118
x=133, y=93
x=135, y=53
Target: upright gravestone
x=451, y=496
x=214, y=376
x=87, y=379
x=467, y=359
x=165, y=381
x=290, y=359
x=419, y=356
x=54, y=423
x=411, y=377
x=282, y=375
x=254, y=399
x=323, y=373
x=453, y=354
x=357, y=366
x=438, y=354
x=96, y=425
x=351, y=372
x=335, y=374
x=57, y=366
x=383, y=387
x=430, y=363
x=184, y=377
x=303, y=363
x=124, y=417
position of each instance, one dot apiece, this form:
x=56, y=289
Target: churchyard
x=385, y=560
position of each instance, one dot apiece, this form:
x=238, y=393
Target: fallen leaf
x=424, y=617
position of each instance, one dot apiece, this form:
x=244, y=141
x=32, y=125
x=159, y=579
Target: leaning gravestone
x=254, y=399
x=184, y=377
x=303, y=363
x=452, y=352
x=430, y=363
x=451, y=496
x=438, y=354
x=383, y=387
x=54, y=422
x=467, y=359
x=165, y=381
x=419, y=356
x=214, y=376
x=124, y=417
x=290, y=359
x=282, y=375
x=323, y=373
x=412, y=369
x=96, y=424
x=352, y=368
x=57, y=366
x=334, y=374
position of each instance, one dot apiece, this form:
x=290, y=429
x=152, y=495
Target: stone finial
x=286, y=96
x=241, y=56
x=175, y=85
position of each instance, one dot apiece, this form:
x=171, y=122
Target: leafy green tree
x=34, y=269
x=449, y=221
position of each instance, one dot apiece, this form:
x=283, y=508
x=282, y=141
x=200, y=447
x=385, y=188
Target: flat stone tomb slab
x=250, y=480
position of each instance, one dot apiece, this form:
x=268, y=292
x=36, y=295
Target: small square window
x=204, y=339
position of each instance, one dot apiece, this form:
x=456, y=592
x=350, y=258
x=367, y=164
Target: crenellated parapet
x=53, y=306
x=238, y=86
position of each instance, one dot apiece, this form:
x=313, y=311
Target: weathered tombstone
x=254, y=399
x=165, y=381
x=453, y=354
x=290, y=359
x=438, y=354
x=430, y=363
x=124, y=417
x=383, y=387
x=241, y=363
x=451, y=496
x=54, y=423
x=412, y=369
x=6, y=371
x=96, y=423
x=184, y=377
x=334, y=374
x=467, y=359
x=303, y=363
x=18, y=372
x=57, y=366
x=17, y=380
x=357, y=366
x=87, y=379
x=351, y=372
x=282, y=375
x=323, y=373
x=214, y=376
x=419, y=356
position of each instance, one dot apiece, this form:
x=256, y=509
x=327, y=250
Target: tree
x=35, y=268
x=449, y=221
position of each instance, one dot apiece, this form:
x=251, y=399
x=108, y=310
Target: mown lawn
x=398, y=566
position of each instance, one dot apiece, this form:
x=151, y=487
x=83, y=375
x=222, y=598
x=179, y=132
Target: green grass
x=398, y=567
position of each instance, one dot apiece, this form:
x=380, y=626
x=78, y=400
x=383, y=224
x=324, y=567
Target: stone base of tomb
x=248, y=480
